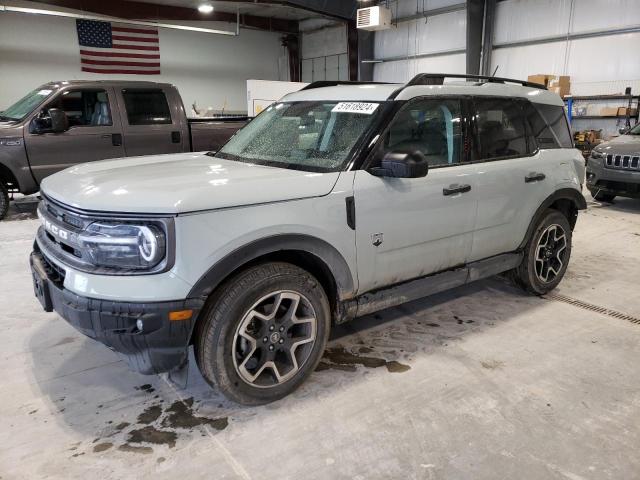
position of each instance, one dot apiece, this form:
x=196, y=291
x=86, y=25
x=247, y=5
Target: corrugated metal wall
x=435, y=36
x=604, y=64
x=598, y=65
x=324, y=51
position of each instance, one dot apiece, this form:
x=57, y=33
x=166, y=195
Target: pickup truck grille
x=623, y=162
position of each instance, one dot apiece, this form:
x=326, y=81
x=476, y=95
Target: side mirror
x=402, y=165
x=59, y=120
x=622, y=131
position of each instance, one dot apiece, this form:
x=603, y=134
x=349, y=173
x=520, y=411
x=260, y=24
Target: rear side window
x=500, y=127
x=555, y=131
x=146, y=107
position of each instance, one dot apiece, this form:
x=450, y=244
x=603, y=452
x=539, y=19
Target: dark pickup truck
x=61, y=124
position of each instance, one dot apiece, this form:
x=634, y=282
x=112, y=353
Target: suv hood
x=622, y=145
x=179, y=183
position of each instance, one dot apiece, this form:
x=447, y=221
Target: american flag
x=107, y=47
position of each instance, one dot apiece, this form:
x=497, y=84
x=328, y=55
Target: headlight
x=596, y=154
x=137, y=246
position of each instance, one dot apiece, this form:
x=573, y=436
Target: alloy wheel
x=274, y=339
x=550, y=253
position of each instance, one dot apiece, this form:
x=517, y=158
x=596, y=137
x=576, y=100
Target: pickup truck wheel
x=546, y=255
x=601, y=196
x=4, y=200
x=263, y=333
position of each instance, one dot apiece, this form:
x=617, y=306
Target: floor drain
x=592, y=307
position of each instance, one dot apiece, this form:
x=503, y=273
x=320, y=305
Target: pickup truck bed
x=213, y=132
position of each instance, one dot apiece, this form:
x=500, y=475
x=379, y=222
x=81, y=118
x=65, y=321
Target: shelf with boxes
x=601, y=107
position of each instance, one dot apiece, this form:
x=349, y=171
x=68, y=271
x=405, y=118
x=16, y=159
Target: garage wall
x=599, y=65
x=604, y=64
x=432, y=44
x=209, y=69
x=323, y=51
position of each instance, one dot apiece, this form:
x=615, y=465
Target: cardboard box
x=560, y=84
x=540, y=78
x=609, y=111
x=622, y=111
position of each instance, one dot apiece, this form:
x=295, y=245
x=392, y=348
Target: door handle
x=116, y=138
x=534, y=177
x=455, y=188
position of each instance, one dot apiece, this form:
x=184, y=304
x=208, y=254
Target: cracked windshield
x=310, y=136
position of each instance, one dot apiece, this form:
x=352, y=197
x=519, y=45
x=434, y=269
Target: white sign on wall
x=262, y=93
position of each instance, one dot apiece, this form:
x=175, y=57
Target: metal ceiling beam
x=105, y=18
x=568, y=36
x=339, y=9
x=430, y=13
x=153, y=12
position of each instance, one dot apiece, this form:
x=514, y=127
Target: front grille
x=623, y=162
x=63, y=215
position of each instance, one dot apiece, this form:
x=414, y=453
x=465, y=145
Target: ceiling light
x=205, y=8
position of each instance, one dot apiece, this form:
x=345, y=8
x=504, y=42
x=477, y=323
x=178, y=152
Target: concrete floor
x=482, y=382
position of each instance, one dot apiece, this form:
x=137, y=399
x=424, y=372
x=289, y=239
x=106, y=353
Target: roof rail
x=333, y=83
x=438, y=79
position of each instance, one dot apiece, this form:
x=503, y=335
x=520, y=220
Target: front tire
x=546, y=255
x=263, y=333
x=4, y=200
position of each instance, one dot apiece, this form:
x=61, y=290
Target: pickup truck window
x=433, y=127
x=146, y=107
x=84, y=108
x=26, y=104
x=310, y=136
x=501, y=130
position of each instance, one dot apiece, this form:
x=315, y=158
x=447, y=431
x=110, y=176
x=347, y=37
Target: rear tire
x=546, y=255
x=601, y=196
x=4, y=200
x=263, y=333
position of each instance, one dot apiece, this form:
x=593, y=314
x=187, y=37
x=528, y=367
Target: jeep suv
x=335, y=202
x=613, y=168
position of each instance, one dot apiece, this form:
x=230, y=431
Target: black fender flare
x=322, y=250
x=562, y=194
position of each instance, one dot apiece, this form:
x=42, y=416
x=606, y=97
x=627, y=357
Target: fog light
x=139, y=324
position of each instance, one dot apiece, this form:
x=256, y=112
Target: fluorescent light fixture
x=205, y=8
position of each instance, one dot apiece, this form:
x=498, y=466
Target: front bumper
x=160, y=346
x=625, y=183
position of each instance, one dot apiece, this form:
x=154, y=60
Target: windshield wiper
x=4, y=117
x=226, y=156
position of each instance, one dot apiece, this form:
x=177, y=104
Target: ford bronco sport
x=335, y=202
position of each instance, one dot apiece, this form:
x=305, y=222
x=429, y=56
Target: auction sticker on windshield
x=355, y=107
